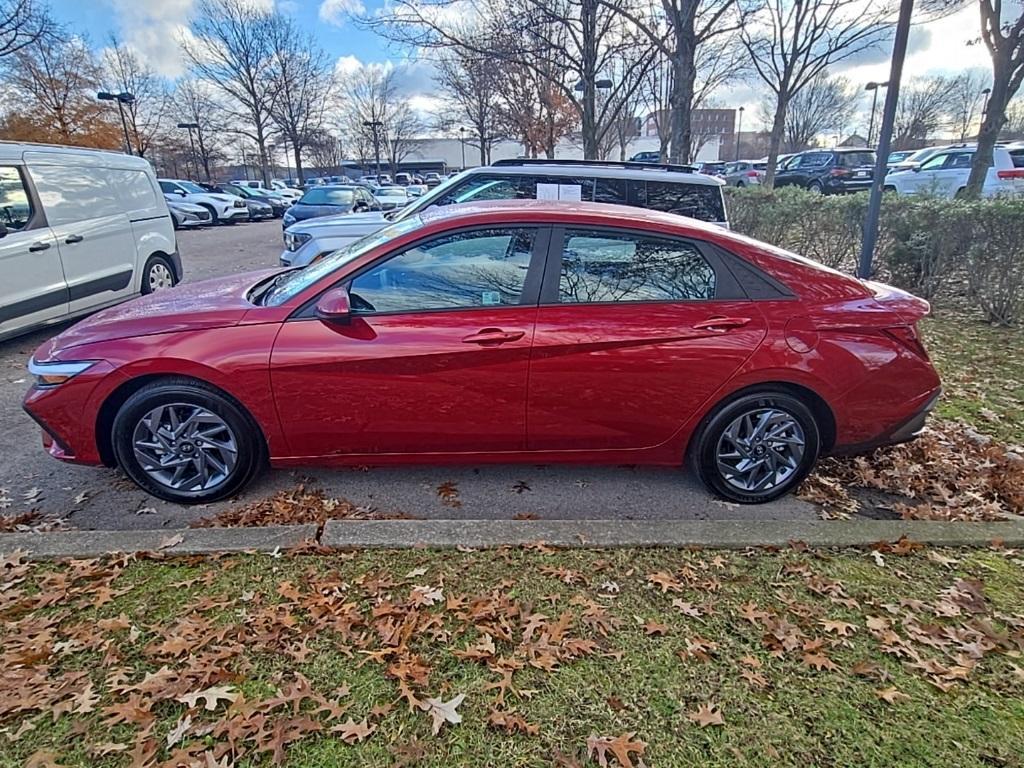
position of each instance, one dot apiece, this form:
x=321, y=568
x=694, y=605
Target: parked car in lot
x=895, y=158
x=224, y=209
x=946, y=173
x=257, y=206
x=829, y=171
x=276, y=189
x=329, y=201
x=79, y=230
x=417, y=190
x=674, y=189
x=403, y=179
x=743, y=173
x=530, y=332
x=432, y=179
x=187, y=215
x=391, y=197
x=646, y=157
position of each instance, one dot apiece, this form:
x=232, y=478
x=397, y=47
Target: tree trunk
x=995, y=119
x=681, y=96
x=775, y=139
x=298, y=163
x=588, y=24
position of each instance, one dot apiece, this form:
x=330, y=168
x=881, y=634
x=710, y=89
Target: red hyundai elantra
x=505, y=332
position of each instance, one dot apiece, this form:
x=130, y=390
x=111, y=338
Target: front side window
x=815, y=159
x=602, y=266
x=15, y=206
x=170, y=187
x=934, y=163
x=962, y=160
x=483, y=268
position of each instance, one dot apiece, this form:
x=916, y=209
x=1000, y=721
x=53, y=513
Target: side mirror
x=334, y=306
x=916, y=169
x=180, y=192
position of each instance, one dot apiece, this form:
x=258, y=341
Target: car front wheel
x=757, y=448
x=185, y=442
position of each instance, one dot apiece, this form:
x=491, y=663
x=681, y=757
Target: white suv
x=670, y=188
x=277, y=187
x=79, y=230
x=224, y=209
x=946, y=172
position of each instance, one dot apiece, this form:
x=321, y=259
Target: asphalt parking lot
x=104, y=499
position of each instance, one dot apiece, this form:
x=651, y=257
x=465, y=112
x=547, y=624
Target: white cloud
x=347, y=65
x=336, y=12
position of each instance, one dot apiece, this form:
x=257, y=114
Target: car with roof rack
x=668, y=188
x=946, y=172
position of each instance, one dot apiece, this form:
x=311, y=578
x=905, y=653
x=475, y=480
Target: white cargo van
x=80, y=229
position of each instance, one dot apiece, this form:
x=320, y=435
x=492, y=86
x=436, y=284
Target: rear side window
x=556, y=187
x=961, y=160
x=70, y=194
x=610, y=191
x=698, y=201
x=856, y=159
x=601, y=266
x=133, y=188
x=15, y=206
x=1017, y=155
x=815, y=159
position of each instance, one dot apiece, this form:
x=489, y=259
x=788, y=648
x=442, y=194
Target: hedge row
x=933, y=247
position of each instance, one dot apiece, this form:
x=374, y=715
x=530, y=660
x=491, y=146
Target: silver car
x=187, y=215
x=744, y=173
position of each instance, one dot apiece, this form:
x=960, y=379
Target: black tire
x=740, y=183
x=185, y=393
x=889, y=189
x=158, y=274
x=961, y=194
x=214, y=218
x=816, y=187
x=710, y=441
x=174, y=221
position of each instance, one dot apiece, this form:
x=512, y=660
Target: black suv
x=829, y=171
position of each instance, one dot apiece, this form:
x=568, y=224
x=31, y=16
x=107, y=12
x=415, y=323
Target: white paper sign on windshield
x=572, y=192
x=547, y=191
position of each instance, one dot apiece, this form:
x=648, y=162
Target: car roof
x=18, y=151
x=634, y=171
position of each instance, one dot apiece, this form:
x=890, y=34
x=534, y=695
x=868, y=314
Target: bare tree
x=232, y=49
x=378, y=117
x=790, y=42
x=1014, y=126
x=54, y=83
x=1003, y=36
x=533, y=109
x=326, y=151
x=965, y=102
x=303, y=79
x=471, y=91
x=923, y=108
x=22, y=22
x=146, y=114
x=825, y=104
x=193, y=102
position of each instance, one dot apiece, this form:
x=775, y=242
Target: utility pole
x=375, y=126
x=739, y=132
x=899, y=53
x=121, y=98
x=462, y=141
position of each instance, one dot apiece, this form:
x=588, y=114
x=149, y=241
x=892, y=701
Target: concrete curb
x=193, y=541
x=723, y=534
x=480, y=534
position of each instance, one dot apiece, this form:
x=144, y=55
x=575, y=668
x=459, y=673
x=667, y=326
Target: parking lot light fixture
x=739, y=131
x=462, y=141
x=121, y=98
x=873, y=87
x=195, y=160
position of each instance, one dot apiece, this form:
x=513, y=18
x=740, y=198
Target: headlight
x=56, y=373
x=295, y=240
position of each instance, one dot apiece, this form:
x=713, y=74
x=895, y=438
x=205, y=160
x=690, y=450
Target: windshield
x=392, y=191
x=923, y=154
x=194, y=188
x=327, y=196
x=423, y=201
x=290, y=284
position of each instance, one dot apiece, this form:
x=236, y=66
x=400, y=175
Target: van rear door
x=92, y=227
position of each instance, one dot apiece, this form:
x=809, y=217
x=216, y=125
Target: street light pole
x=873, y=87
x=375, y=126
x=195, y=159
x=462, y=141
x=899, y=53
x=121, y=98
x=739, y=132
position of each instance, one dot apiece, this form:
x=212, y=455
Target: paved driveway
x=92, y=498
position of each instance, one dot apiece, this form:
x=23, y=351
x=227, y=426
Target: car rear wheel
x=816, y=188
x=157, y=275
x=185, y=442
x=757, y=448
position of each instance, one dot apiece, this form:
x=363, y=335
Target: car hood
x=186, y=207
x=220, y=196
x=328, y=225
x=196, y=306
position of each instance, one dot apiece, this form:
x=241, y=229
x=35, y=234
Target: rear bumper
x=903, y=432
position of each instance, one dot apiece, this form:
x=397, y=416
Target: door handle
x=493, y=336
x=38, y=245
x=720, y=323
x=72, y=239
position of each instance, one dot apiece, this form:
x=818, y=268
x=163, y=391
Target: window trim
x=727, y=287
x=527, y=298
x=37, y=216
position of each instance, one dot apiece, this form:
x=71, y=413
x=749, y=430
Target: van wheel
x=756, y=448
x=184, y=441
x=213, y=213
x=157, y=275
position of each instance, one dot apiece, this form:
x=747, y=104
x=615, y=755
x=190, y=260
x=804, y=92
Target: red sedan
x=506, y=332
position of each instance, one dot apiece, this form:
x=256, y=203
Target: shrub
x=996, y=260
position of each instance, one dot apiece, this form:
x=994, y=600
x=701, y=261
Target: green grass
x=634, y=682
x=982, y=369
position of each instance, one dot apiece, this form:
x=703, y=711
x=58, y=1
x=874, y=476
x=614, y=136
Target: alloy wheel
x=761, y=449
x=185, y=447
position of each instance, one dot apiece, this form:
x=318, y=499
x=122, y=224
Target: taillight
x=839, y=172
x=753, y=174
x=1016, y=173
x=907, y=336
